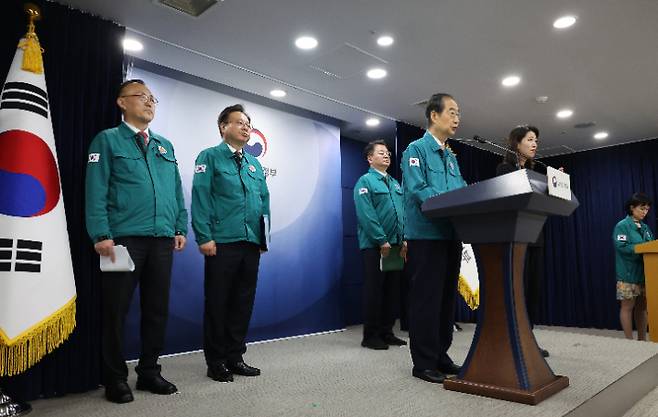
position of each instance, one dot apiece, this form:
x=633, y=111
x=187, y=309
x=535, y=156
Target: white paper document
x=122, y=262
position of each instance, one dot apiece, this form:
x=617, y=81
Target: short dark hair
x=126, y=84
x=637, y=199
x=435, y=103
x=223, y=116
x=513, y=139
x=370, y=147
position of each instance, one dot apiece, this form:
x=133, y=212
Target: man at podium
x=629, y=267
x=430, y=168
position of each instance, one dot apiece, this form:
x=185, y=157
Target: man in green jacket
x=429, y=168
x=378, y=201
x=134, y=198
x=230, y=215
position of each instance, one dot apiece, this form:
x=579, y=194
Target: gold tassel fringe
x=32, y=57
x=38, y=341
x=472, y=298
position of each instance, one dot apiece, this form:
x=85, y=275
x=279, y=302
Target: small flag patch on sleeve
x=199, y=169
x=621, y=238
x=94, y=157
x=363, y=191
x=414, y=162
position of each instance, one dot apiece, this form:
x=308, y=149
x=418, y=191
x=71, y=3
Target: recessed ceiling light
x=385, y=40
x=278, y=93
x=564, y=113
x=372, y=122
x=376, y=73
x=132, y=45
x=511, y=81
x=306, y=42
x=600, y=135
x=564, y=22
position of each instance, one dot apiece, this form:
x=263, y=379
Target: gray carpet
x=331, y=375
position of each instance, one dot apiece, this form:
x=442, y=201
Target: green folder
x=393, y=262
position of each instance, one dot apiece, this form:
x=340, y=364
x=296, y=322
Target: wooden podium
x=499, y=217
x=649, y=251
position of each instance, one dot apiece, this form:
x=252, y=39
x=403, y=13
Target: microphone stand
x=480, y=139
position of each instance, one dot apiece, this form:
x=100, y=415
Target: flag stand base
x=11, y=408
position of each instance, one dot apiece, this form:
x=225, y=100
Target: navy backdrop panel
x=580, y=285
x=83, y=63
x=353, y=165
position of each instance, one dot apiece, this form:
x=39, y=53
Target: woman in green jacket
x=629, y=267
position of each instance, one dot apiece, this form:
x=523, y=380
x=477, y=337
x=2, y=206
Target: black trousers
x=380, y=296
x=435, y=271
x=152, y=257
x=533, y=277
x=230, y=289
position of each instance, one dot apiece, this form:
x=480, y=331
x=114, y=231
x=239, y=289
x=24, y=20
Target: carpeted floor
x=331, y=375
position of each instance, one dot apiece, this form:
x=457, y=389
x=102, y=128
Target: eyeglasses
x=454, y=114
x=242, y=124
x=383, y=153
x=144, y=98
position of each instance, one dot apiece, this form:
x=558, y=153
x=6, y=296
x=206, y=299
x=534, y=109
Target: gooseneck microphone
x=480, y=139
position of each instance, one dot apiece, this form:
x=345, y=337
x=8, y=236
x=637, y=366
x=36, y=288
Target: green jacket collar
x=228, y=154
x=629, y=220
x=376, y=173
x=431, y=142
x=128, y=133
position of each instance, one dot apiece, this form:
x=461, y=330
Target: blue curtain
x=83, y=66
x=579, y=285
x=353, y=165
x=579, y=289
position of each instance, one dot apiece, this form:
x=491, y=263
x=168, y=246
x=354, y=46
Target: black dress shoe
x=429, y=375
x=391, y=340
x=450, y=369
x=219, y=373
x=156, y=384
x=374, y=343
x=241, y=368
x=544, y=353
x=118, y=392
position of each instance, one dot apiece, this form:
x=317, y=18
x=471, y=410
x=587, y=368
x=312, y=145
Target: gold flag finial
x=32, y=58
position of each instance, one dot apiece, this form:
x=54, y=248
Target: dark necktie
x=144, y=136
x=238, y=157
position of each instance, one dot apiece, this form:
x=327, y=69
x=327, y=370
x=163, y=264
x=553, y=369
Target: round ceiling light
x=511, y=81
x=385, y=40
x=132, y=45
x=564, y=22
x=564, y=113
x=372, y=122
x=306, y=42
x=376, y=73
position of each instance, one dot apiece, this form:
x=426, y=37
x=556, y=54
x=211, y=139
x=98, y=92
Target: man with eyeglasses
x=379, y=212
x=134, y=198
x=230, y=211
x=430, y=168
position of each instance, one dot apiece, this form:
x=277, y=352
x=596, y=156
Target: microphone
x=480, y=139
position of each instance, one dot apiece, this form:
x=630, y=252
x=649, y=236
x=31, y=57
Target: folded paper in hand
x=122, y=262
x=393, y=262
